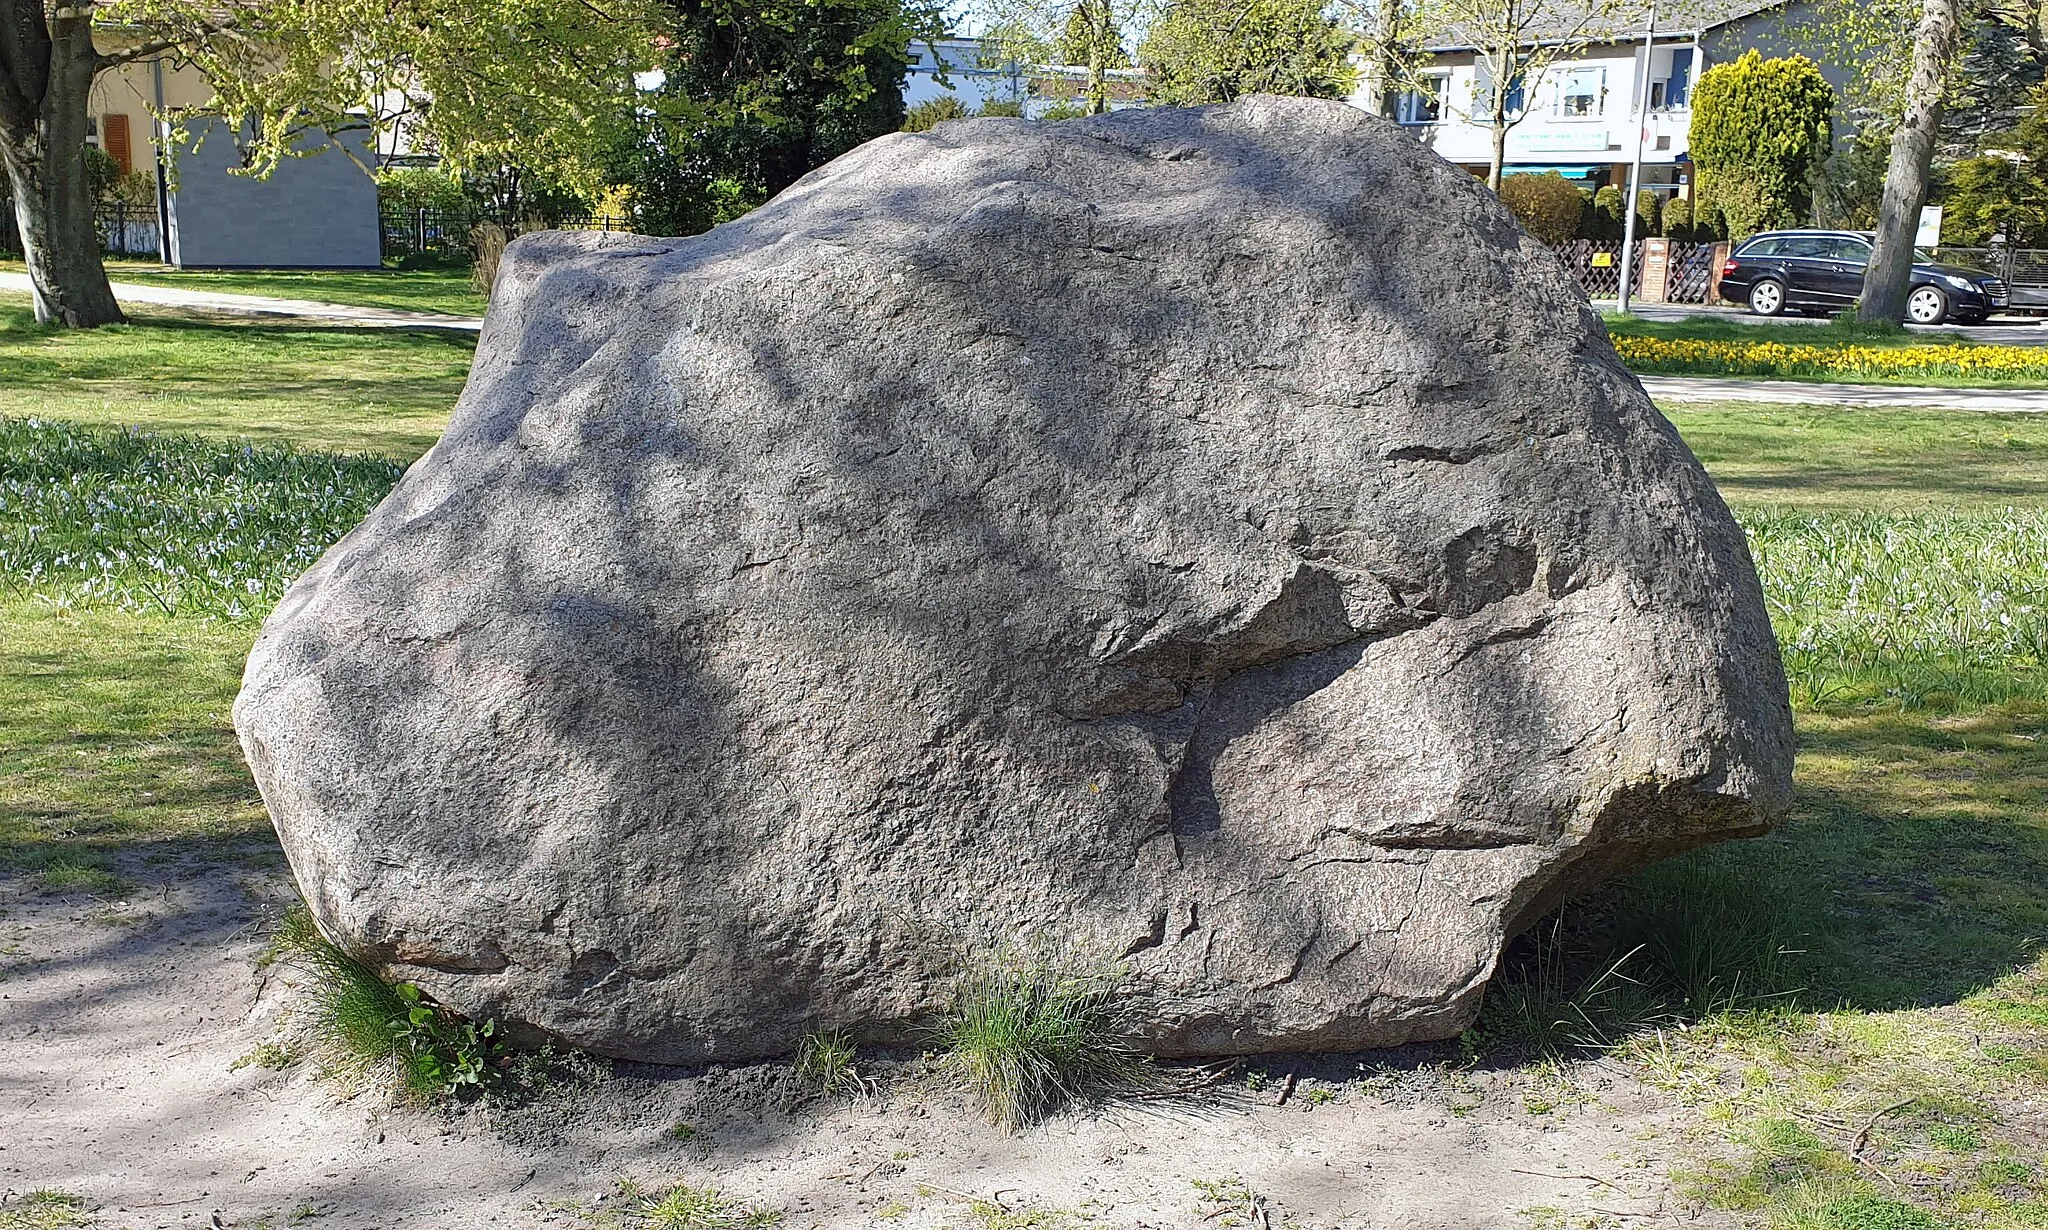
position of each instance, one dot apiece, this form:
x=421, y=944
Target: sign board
x=1603, y=260
x=1656, y=285
x=1929, y=233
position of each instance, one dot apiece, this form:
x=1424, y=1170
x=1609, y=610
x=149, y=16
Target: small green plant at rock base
x=270, y=1055
x=361, y=1022
x=1229, y=1201
x=990, y=1215
x=1320, y=1097
x=45, y=1210
x=683, y=1207
x=1032, y=1033
x=682, y=1131
x=825, y=1064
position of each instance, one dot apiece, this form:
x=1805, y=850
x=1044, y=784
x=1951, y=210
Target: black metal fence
x=125, y=230
x=443, y=234
x=2025, y=270
x=1597, y=262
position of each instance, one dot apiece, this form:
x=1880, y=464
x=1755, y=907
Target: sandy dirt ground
x=121, y=1023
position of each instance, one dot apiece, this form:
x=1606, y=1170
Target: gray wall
x=315, y=212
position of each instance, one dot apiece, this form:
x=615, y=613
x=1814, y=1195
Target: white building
x=977, y=77
x=1580, y=116
x=966, y=77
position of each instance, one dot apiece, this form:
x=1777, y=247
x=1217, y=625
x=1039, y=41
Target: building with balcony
x=1579, y=118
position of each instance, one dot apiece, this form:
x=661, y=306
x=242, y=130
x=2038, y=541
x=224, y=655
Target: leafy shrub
x=1760, y=130
x=1548, y=206
x=1649, y=208
x=415, y=188
x=1604, y=220
x=1034, y=1033
x=361, y=1023
x=1986, y=196
x=1007, y=110
x=931, y=113
x=1677, y=218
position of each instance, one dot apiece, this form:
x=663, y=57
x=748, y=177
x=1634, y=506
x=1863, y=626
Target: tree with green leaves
x=757, y=93
x=1760, y=131
x=1208, y=51
x=485, y=82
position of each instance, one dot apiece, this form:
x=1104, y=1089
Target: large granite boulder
x=1217, y=537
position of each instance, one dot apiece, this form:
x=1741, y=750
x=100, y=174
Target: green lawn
x=1905, y=556
x=1710, y=328
x=422, y=290
x=1845, y=459
x=344, y=390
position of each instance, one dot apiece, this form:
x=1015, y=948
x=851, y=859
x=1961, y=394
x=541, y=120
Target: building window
x=1679, y=87
x=1582, y=94
x=115, y=140
x=1425, y=105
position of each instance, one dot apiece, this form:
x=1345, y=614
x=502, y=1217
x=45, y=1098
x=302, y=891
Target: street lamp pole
x=1635, y=166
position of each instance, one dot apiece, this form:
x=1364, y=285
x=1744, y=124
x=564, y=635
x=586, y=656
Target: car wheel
x=1767, y=297
x=1926, y=305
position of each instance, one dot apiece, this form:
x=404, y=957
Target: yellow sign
x=1603, y=260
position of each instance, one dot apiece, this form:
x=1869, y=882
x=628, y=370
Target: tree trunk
x=1905, y=182
x=1378, y=95
x=46, y=72
x=1500, y=152
x=1098, y=30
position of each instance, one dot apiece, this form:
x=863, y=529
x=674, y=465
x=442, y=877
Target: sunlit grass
x=329, y=390
x=414, y=290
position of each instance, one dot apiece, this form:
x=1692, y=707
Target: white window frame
x=1598, y=93
x=1408, y=109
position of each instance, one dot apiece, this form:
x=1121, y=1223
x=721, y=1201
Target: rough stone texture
x=1213, y=536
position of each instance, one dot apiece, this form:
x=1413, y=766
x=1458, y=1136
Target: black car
x=1817, y=272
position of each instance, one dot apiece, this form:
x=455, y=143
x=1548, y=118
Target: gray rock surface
x=1217, y=536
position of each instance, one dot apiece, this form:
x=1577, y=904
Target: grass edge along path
x=444, y=291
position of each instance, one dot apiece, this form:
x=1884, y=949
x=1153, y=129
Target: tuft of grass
x=361, y=1023
x=1034, y=1033
x=1561, y=992
x=682, y=1207
x=827, y=1064
x=66, y=869
x=44, y=1210
x=1714, y=933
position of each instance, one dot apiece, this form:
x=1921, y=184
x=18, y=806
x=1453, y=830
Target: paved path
x=283, y=309
x=1661, y=388
x=1719, y=388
